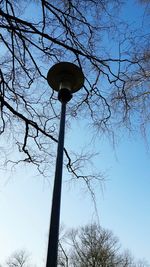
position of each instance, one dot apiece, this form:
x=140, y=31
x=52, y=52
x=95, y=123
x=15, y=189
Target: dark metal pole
x=64, y=96
x=56, y=200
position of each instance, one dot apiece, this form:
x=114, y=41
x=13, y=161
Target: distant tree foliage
x=93, y=246
x=18, y=259
x=87, y=246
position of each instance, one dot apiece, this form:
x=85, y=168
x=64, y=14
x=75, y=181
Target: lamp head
x=65, y=75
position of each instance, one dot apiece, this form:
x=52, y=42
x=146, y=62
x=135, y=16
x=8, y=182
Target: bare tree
x=18, y=259
x=116, y=87
x=93, y=246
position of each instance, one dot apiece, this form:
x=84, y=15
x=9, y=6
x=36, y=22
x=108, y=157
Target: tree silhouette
x=94, y=246
x=114, y=57
x=18, y=259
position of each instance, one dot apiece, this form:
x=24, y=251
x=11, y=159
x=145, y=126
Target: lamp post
x=65, y=78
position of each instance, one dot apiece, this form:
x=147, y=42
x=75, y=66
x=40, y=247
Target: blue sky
x=123, y=201
x=123, y=204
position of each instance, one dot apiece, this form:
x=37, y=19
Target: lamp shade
x=65, y=75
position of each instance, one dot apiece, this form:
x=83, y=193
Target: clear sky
x=123, y=205
x=123, y=201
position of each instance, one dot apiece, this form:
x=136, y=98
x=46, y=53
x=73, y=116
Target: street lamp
x=65, y=78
